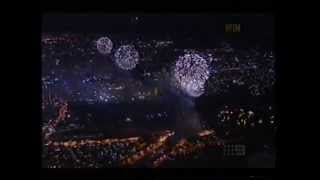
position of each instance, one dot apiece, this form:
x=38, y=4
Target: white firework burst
x=104, y=45
x=191, y=72
x=127, y=57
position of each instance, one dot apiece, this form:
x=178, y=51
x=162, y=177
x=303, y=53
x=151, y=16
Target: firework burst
x=127, y=57
x=104, y=45
x=191, y=71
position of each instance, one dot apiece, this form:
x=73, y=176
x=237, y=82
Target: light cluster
x=104, y=45
x=191, y=71
x=189, y=147
x=126, y=57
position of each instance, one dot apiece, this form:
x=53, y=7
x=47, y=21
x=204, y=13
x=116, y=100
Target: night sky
x=200, y=29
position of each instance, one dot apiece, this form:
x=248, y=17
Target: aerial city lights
x=138, y=99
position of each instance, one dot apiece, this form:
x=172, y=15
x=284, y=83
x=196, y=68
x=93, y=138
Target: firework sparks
x=104, y=45
x=191, y=72
x=127, y=57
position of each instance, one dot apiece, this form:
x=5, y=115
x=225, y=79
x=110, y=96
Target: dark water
x=181, y=116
